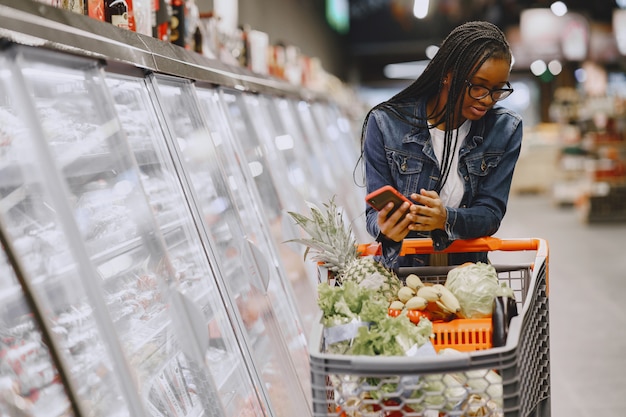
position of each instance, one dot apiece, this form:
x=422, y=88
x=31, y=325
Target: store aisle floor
x=587, y=277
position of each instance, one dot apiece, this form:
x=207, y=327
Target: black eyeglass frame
x=505, y=91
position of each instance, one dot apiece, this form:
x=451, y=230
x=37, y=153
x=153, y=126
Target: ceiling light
x=405, y=70
x=538, y=67
x=555, y=67
x=420, y=8
x=558, y=8
x=580, y=75
x=432, y=50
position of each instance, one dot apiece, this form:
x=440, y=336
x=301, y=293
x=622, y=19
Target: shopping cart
x=510, y=381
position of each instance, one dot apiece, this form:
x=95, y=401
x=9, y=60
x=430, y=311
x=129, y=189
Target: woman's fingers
x=430, y=213
x=394, y=226
x=427, y=198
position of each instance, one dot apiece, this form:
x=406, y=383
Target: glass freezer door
x=322, y=178
x=258, y=296
x=334, y=136
x=29, y=381
x=338, y=132
x=101, y=259
x=248, y=202
x=38, y=221
x=288, y=142
x=190, y=263
x=340, y=162
x=250, y=123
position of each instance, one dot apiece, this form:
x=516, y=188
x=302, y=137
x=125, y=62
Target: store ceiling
x=385, y=31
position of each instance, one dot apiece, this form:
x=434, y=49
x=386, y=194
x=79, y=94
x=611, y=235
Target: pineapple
x=332, y=244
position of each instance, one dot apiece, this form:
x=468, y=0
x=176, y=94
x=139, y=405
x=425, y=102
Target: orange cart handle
x=482, y=244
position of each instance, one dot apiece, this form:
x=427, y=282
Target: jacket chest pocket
x=406, y=170
x=481, y=165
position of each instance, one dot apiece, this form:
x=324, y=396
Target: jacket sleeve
x=377, y=173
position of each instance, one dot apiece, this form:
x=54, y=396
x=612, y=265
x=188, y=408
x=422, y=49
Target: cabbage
x=475, y=285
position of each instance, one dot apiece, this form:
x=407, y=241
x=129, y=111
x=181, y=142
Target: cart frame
x=523, y=362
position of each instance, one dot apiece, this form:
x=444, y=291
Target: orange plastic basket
x=465, y=335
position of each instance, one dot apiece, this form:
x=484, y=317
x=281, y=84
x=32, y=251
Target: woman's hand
x=429, y=214
x=396, y=226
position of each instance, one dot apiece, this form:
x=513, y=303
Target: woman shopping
x=445, y=143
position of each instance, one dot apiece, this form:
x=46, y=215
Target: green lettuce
x=391, y=336
x=350, y=302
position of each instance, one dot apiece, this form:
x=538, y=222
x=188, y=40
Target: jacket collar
x=421, y=135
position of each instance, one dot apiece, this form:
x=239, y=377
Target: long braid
x=461, y=53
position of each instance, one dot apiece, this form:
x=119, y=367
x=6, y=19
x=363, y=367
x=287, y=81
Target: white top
x=452, y=192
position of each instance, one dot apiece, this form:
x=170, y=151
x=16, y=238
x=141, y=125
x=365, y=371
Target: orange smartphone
x=384, y=195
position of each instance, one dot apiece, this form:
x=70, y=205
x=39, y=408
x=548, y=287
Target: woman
x=444, y=143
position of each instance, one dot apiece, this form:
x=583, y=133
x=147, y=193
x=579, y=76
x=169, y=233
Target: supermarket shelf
x=35, y=24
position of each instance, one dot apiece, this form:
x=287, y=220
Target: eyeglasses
x=478, y=92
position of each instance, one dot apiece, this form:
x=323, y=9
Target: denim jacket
x=402, y=155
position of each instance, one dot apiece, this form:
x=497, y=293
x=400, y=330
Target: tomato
x=416, y=315
x=413, y=315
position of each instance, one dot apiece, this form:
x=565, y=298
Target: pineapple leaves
x=330, y=240
x=331, y=243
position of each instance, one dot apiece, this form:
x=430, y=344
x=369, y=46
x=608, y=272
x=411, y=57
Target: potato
x=396, y=305
x=405, y=293
x=413, y=281
x=416, y=303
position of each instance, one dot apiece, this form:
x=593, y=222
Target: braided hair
x=462, y=53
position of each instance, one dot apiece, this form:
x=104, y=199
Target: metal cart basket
x=508, y=381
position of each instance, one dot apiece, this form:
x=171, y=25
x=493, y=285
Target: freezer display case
x=248, y=201
x=30, y=384
x=93, y=251
x=325, y=178
x=251, y=125
x=271, y=328
x=331, y=143
x=40, y=224
x=339, y=135
x=338, y=132
x=228, y=364
x=304, y=170
x=253, y=129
